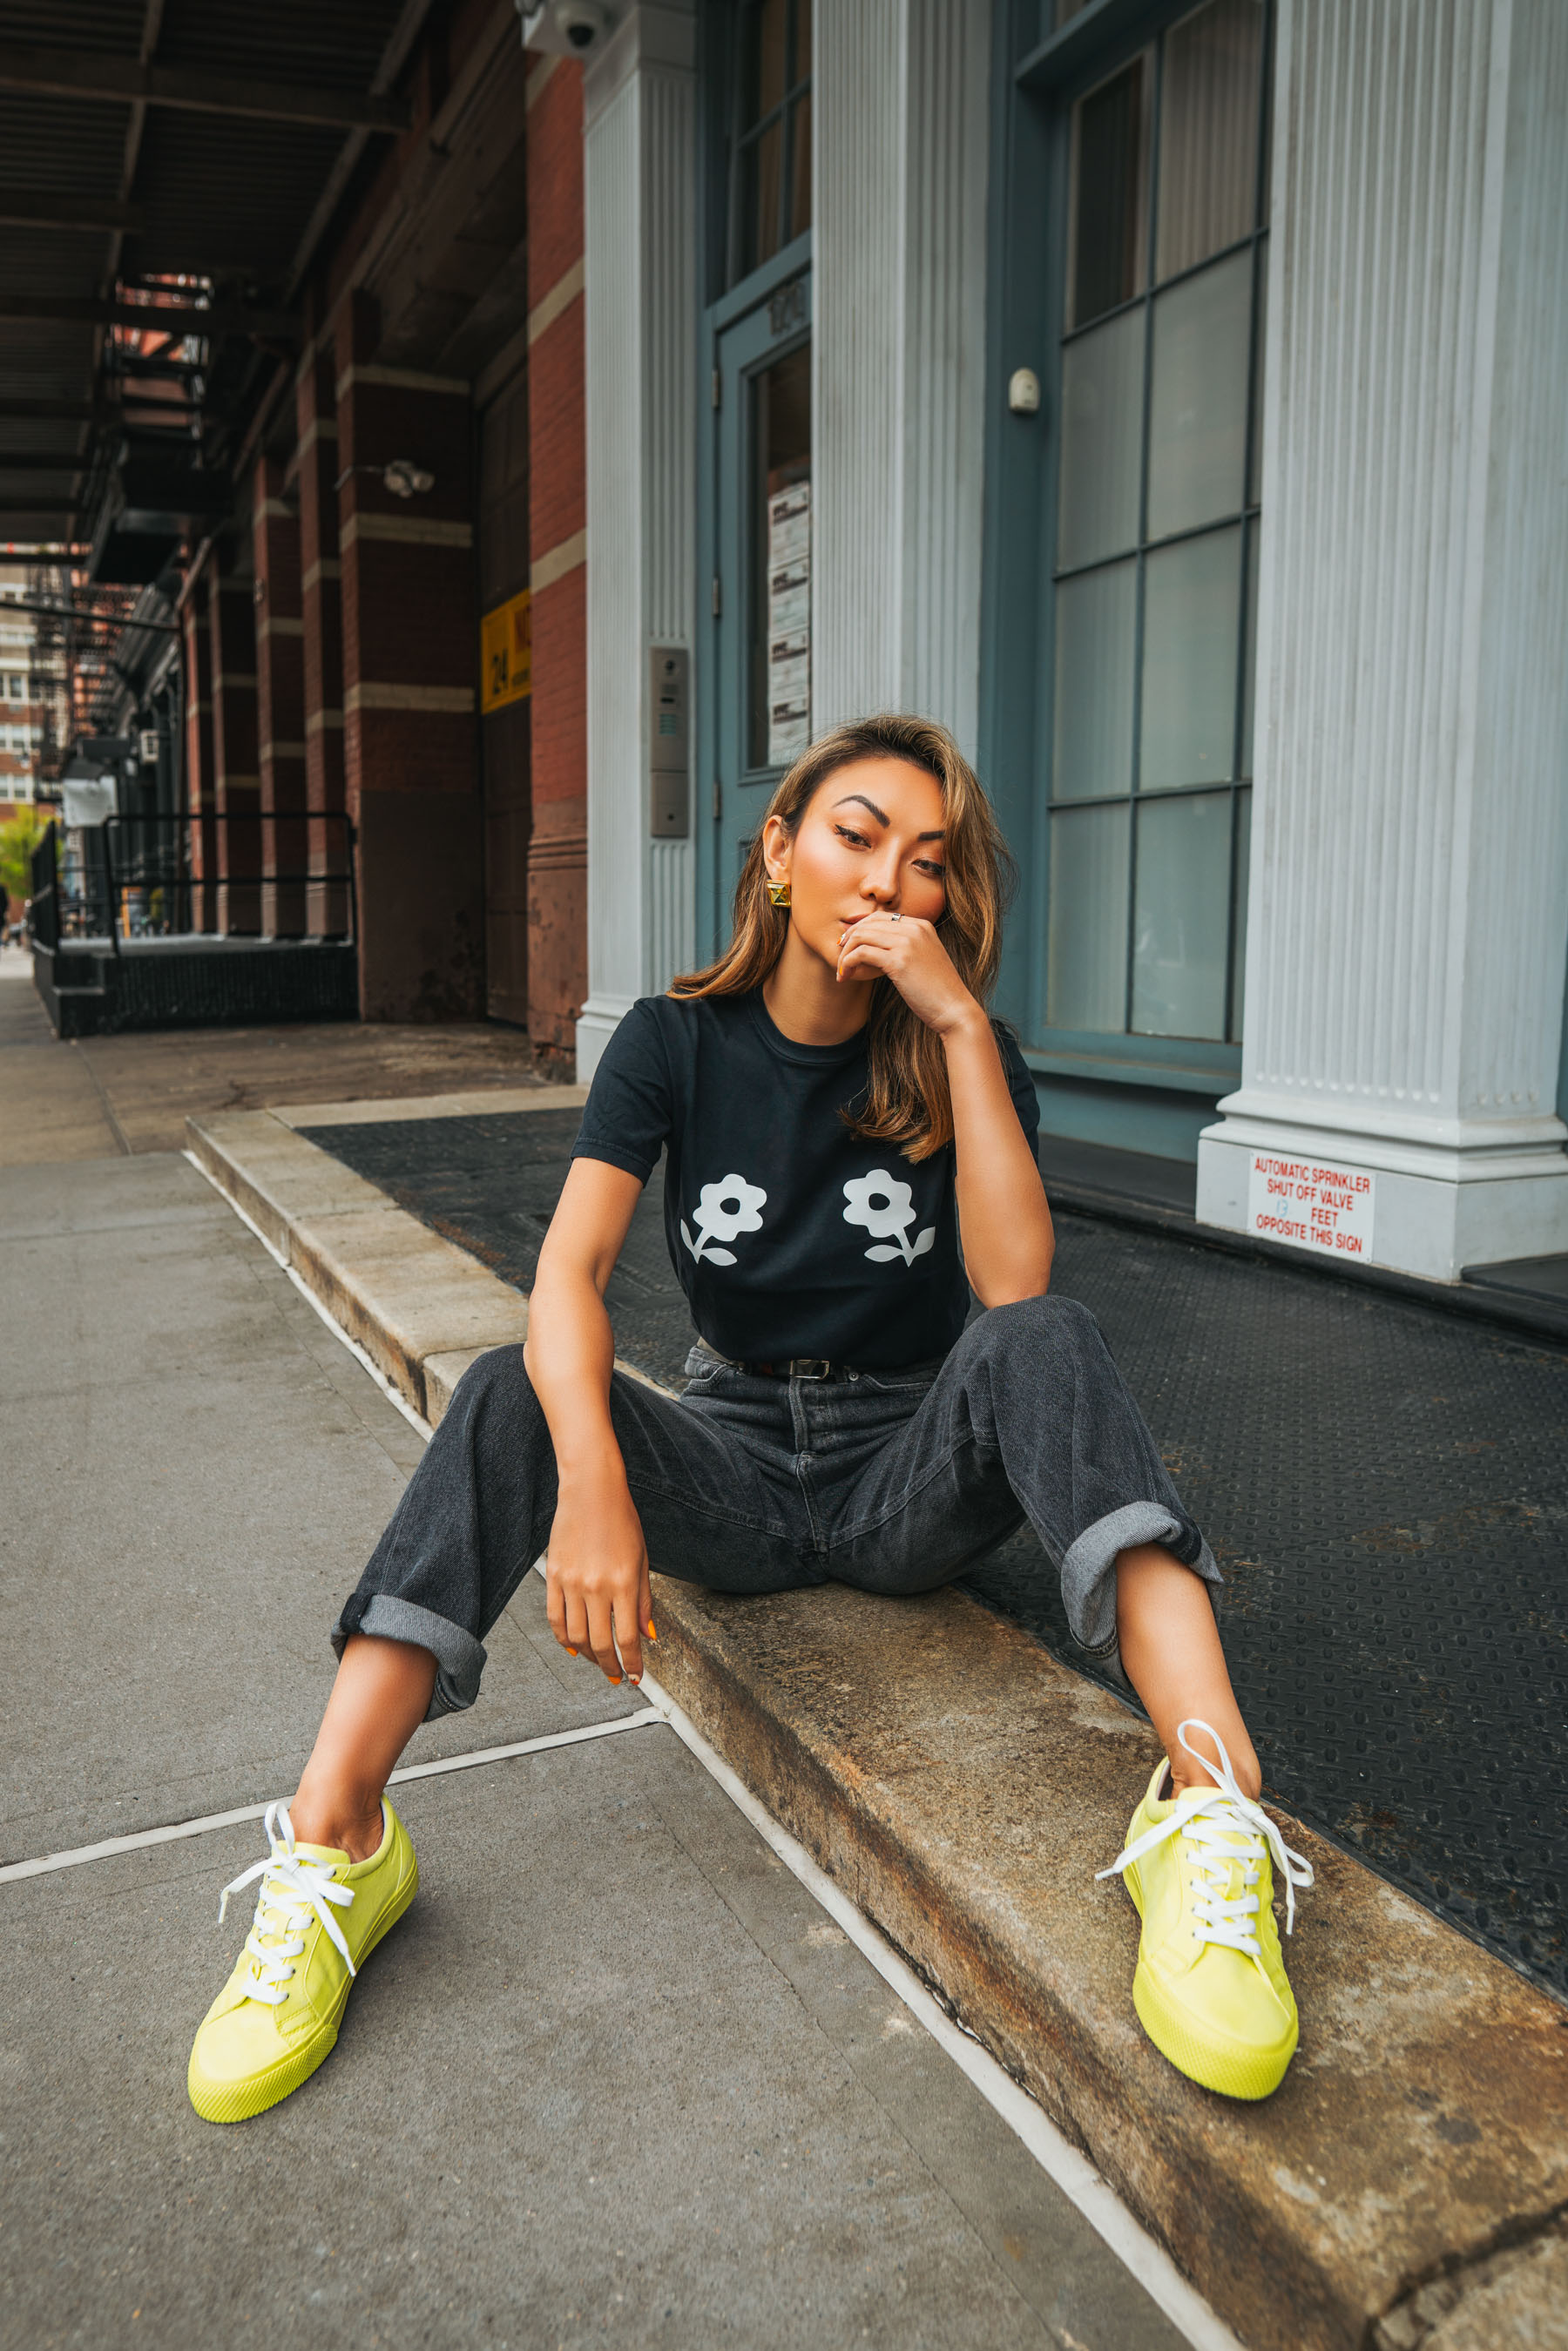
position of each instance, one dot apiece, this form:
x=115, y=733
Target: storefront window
x=770, y=152
x=1155, y=574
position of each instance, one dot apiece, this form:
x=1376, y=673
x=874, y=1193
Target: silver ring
x=895, y=918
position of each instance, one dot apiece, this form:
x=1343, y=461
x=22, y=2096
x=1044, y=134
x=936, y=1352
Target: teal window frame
x=725, y=308
x=1036, y=83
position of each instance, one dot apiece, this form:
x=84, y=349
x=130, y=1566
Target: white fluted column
x=899, y=183
x=639, y=157
x=1409, y=875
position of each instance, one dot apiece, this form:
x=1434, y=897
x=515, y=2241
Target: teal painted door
x=761, y=590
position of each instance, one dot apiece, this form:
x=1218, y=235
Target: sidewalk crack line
x=646, y=1718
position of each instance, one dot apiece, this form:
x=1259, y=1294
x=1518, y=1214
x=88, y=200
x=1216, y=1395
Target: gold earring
x=778, y=892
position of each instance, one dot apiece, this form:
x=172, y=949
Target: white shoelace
x=295, y=1889
x=1222, y=1829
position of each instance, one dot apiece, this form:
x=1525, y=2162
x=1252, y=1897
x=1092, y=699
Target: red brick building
x=414, y=495
x=305, y=389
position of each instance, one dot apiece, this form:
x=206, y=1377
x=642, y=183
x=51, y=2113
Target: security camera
x=564, y=29
x=583, y=21
x=403, y=478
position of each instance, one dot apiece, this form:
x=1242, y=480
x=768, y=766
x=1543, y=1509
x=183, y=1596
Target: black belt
x=799, y=1367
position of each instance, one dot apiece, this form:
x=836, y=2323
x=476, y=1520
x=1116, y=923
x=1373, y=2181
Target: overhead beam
x=109, y=410
x=161, y=319
x=71, y=411
x=93, y=213
x=65, y=507
x=77, y=73
x=129, y=365
x=94, y=620
x=37, y=462
x=393, y=57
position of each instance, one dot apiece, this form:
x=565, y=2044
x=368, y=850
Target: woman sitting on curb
x=837, y=1108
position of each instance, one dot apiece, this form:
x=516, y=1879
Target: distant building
x=24, y=710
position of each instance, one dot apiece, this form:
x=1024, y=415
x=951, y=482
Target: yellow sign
x=507, y=655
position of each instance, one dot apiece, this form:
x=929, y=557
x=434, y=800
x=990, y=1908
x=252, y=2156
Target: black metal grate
x=1384, y=1485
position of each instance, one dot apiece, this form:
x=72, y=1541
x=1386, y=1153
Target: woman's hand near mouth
x=905, y=949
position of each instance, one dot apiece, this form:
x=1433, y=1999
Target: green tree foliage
x=19, y=835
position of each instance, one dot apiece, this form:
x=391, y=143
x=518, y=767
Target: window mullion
x=1137, y=746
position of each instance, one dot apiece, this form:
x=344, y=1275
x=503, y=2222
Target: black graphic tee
x=790, y=1235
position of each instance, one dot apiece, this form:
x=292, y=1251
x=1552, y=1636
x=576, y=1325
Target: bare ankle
x=1249, y=1777
x=346, y=1824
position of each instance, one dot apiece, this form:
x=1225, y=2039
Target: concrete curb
x=963, y=1787
x=409, y=1298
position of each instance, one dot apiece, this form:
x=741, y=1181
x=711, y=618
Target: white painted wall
x=639, y=160
x=899, y=184
x=1409, y=876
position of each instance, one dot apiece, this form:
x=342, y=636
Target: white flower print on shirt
x=882, y=1205
x=722, y=1211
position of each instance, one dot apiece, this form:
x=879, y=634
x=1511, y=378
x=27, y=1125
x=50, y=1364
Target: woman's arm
x=1002, y=1211
x=598, y=1561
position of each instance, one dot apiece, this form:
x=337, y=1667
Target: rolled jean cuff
x=1089, y=1570
x=459, y=1657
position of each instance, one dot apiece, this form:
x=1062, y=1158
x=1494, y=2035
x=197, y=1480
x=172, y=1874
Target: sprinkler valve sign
x=1308, y=1204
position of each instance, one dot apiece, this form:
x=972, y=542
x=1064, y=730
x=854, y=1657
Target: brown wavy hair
x=906, y=1101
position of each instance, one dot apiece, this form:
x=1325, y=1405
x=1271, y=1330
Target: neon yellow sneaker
x=278, y=2016
x=1211, y=1985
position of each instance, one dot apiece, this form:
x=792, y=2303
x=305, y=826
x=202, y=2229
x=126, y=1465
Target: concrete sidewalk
x=95, y=1096
x=618, y=2073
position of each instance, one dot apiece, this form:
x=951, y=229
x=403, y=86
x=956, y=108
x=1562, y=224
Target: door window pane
x=1086, y=982
x=779, y=623
x=771, y=126
x=1182, y=923
x=1096, y=615
x=1210, y=93
x=1243, y=863
x=1191, y=628
x=764, y=69
x=1101, y=428
x=1110, y=200
x=1198, y=403
x=801, y=168
x=762, y=196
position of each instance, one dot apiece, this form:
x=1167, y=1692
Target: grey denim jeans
x=893, y=1481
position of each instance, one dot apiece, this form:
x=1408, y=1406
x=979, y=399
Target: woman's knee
x=495, y=1381
x=1030, y=1327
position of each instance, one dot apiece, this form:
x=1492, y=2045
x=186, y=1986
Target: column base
x=1431, y=1207
x=596, y=1024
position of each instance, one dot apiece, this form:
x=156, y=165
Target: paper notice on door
x=788, y=681
x=1308, y=1204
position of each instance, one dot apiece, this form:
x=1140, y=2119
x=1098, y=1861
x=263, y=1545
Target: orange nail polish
x=652, y=1634
x=570, y=1650
x=615, y=1681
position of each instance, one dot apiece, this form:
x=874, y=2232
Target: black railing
x=132, y=877
x=43, y=905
